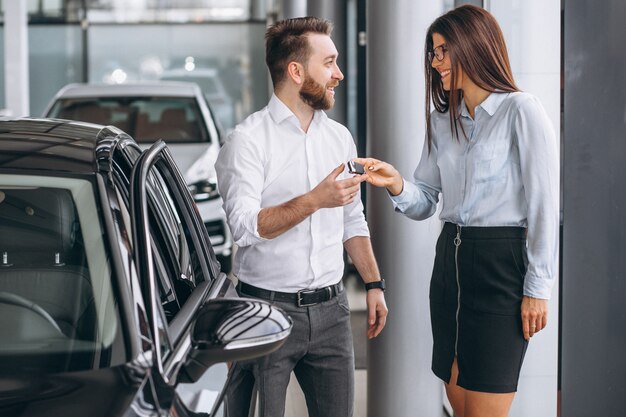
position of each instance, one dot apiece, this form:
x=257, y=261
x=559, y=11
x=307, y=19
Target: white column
x=16, y=57
x=400, y=382
x=532, y=31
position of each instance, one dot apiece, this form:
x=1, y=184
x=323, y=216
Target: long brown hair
x=287, y=41
x=475, y=42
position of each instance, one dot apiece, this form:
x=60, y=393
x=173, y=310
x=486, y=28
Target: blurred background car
x=175, y=112
x=212, y=87
x=111, y=298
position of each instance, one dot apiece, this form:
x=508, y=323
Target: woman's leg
x=456, y=394
x=486, y=404
x=467, y=403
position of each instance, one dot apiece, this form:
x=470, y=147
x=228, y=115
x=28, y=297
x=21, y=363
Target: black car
x=110, y=293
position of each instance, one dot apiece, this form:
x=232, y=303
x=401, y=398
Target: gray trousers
x=320, y=353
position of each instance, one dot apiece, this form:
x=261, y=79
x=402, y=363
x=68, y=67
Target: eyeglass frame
x=433, y=54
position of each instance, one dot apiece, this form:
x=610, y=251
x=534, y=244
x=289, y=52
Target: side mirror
x=233, y=329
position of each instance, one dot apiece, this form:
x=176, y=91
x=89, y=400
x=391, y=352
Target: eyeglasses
x=439, y=52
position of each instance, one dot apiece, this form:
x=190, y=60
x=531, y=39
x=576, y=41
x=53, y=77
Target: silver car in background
x=176, y=112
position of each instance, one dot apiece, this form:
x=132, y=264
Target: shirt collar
x=490, y=104
x=280, y=112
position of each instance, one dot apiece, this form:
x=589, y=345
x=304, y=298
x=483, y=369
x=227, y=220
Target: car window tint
x=146, y=119
x=58, y=310
x=121, y=191
x=178, y=260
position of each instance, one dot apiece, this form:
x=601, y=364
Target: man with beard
x=292, y=209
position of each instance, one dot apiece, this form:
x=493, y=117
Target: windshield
x=146, y=119
x=57, y=308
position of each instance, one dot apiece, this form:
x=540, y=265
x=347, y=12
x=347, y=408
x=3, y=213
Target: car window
x=181, y=266
x=146, y=119
x=178, y=261
x=58, y=310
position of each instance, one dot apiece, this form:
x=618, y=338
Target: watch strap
x=375, y=284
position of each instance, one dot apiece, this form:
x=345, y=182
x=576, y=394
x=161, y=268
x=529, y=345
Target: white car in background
x=175, y=112
x=212, y=87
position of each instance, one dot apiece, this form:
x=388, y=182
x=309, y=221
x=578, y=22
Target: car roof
x=157, y=88
x=55, y=145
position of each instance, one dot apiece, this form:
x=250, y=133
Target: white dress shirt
x=506, y=173
x=268, y=160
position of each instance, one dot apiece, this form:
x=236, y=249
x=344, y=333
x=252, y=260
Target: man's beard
x=314, y=94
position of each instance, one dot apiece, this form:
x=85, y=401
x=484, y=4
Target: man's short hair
x=287, y=41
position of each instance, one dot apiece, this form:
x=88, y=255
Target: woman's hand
x=381, y=174
x=534, y=315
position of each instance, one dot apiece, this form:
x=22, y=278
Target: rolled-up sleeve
x=539, y=162
x=240, y=176
x=354, y=223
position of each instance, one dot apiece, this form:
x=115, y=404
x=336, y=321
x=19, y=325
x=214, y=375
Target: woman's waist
x=485, y=232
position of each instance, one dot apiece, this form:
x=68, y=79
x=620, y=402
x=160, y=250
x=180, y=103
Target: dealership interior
x=575, y=366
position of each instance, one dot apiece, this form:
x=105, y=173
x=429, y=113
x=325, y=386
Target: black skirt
x=475, y=298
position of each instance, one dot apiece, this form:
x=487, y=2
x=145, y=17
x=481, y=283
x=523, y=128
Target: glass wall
x=214, y=43
x=55, y=59
x=167, y=11
x=225, y=59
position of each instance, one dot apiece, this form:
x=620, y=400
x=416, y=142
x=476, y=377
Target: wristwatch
x=375, y=284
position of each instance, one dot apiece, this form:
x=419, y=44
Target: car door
x=172, y=246
x=193, y=325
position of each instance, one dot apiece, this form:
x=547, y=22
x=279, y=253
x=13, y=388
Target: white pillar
x=532, y=30
x=16, y=57
x=400, y=382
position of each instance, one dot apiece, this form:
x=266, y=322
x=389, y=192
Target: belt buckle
x=299, y=299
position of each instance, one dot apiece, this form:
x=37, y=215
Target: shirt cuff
x=250, y=235
x=402, y=201
x=353, y=231
x=538, y=287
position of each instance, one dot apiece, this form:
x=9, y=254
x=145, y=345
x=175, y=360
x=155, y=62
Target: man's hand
x=274, y=221
x=534, y=315
x=376, y=312
x=336, y=193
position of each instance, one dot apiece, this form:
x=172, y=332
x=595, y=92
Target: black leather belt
x=303, y=298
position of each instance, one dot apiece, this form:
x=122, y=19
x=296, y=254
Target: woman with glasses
x=492, y=154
